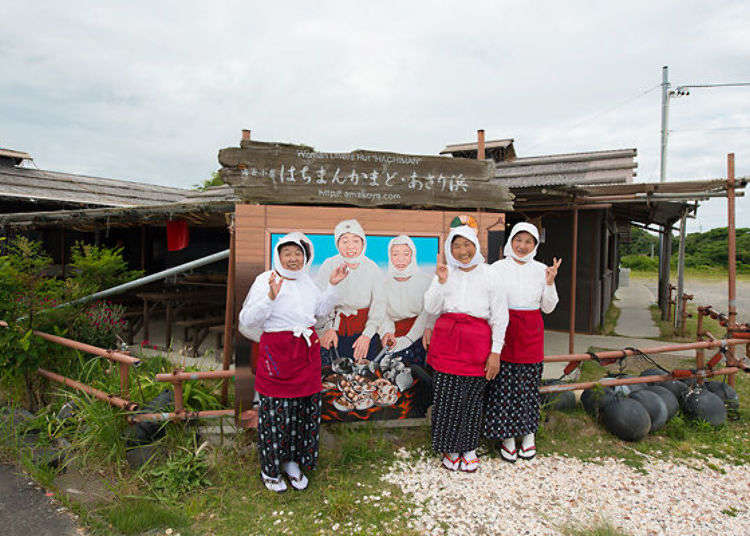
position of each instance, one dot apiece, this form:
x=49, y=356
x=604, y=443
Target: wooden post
x=229, y=311
x=168, y=326
x=732, y=257
x=145, y=320
x=480, y=144
x=245, y=134
x=143, y=247
x=62, y=252
x=124, y=388
x=573, y=278
x=700, y=356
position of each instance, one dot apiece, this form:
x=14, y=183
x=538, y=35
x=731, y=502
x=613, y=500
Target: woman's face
x=523, y=243
x=401, y=256
x=291, y=257
x=350, y=245
x=463, y=249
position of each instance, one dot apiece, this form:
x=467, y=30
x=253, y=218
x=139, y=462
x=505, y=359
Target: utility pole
x=665, y=238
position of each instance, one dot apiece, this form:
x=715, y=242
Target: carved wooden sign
x=269, y=173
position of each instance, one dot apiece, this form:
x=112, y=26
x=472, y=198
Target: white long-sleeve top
x=405, y=299
x=363, y=287
x=474, y=293
x=526, y=285
x=297, y=306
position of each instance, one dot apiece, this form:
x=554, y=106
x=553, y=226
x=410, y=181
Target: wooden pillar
x=731, y=257
x=62, y=252
x=573, y=281
x=480, y=144
x=143, y=247
x=229, y=312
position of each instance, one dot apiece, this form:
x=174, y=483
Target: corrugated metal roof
x=491, y=144
x=27, y=183
x=596, y=167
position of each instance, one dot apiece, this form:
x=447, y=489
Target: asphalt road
x=714, y=292
x=26, y=511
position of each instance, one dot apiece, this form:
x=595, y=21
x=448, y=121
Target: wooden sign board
x=270, y=173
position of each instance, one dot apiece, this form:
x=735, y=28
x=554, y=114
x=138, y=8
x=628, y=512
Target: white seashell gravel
x=549, y=493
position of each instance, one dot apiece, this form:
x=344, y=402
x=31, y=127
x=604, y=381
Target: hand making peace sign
x=274, y=286
x=551, y=271
x=441, y=268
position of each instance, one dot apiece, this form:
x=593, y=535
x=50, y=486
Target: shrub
x=640, y=262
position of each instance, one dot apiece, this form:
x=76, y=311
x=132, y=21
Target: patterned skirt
x=456, y=412
x=511, y=403
x=288, y=430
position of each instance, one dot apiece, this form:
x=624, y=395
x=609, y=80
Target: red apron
x=403, y=326
x=287, y=366
x=524, y=338
x=460, y=344
x=353, y=324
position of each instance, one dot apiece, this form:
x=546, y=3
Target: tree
x=215, y=180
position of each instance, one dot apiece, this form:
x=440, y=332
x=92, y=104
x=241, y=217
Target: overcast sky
x=150, y=91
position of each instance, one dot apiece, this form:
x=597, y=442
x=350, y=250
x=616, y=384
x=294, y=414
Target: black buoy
x=724, y=391
x=690, y=382
x=561, y=400
x=677, y=388
x=669, y=399
x=657, y=409
x=702, y=404
x=595, y=398
x=653, y=372
x=626, y=418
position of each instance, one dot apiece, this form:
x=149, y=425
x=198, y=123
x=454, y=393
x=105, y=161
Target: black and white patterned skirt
x=511, y=402
x=288, y=430
x=456, y=412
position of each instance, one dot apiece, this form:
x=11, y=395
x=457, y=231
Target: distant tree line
x=706, y=250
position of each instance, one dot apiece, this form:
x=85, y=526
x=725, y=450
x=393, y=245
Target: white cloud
x=151, y=90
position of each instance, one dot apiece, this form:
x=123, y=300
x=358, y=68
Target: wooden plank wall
x=254, y=223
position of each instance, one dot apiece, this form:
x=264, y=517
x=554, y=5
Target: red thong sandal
x=508, y=455
x=449, y=463
x=527, y=453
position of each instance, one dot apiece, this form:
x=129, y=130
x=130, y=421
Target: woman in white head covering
x=465, y=346
x=512, y=400
x=352, y=327
x=285, y=303
x=405, y=320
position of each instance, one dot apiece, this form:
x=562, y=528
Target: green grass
x=610, y=319
x=604, y=528
x=136, y=516
x=692, y=273
x=667, y=331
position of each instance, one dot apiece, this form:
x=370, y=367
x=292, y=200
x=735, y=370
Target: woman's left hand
x=492, y=367
x=551, y=271
x=426, y=338
x=361, y=345
x=339, y=274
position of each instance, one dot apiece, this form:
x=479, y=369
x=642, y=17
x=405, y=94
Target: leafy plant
x=100, y=325
x=96, y=268
x=184, y=470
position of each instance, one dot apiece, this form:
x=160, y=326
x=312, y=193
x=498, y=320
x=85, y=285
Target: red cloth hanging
x=178, y=235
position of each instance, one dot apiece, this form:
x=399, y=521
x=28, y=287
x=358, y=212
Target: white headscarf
x=409, y=270
x=353, y=227
x=303, y=242
x=470, y=234
x=518, y=228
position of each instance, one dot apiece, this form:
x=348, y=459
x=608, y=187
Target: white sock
x=291, y=468
x=510, y=444
x=527, y=441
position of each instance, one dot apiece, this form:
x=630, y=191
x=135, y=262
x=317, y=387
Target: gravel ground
x=550, y=493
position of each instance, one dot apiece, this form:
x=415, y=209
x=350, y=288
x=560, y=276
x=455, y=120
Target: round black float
x=690, y=382
x=657, y=409
x=677, y=388
x=669, y=399
x=653, y=372
x=704, y=405
x=562, y=400
x=595, y=398
x=724, y=391
x=626, y=418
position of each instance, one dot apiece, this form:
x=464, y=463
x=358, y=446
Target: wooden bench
x=201, y=327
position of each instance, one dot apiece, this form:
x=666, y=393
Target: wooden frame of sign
x=263, y=172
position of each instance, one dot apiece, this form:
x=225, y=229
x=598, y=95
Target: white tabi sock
x=527, y=441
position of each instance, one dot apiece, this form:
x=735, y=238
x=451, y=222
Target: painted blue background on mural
x=377, y=246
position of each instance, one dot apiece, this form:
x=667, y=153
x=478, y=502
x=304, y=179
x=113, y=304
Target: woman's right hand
x=492, y=366
x=441, y=269
x=388, y=340
x=329, y=338
x=274, y=287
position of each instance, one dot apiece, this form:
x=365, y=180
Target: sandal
x=295, y=475
x=470, y=465
x=449, y=463
x=274, y=484
x=507, y=454
x=527, y=453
